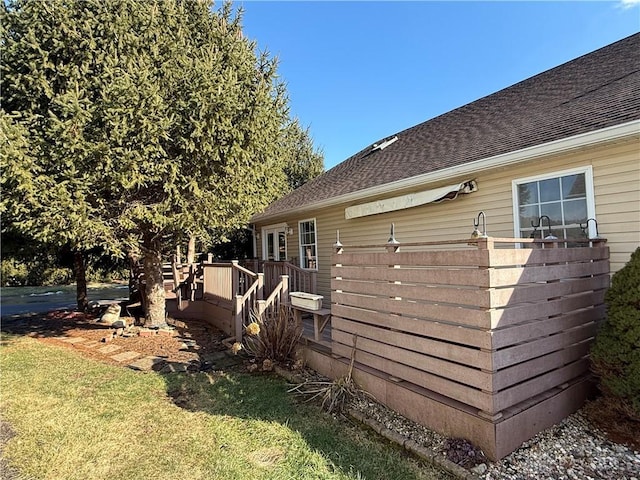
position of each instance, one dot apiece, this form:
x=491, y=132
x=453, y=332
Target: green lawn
x=76, y=418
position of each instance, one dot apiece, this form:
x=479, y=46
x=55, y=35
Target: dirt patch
x=6, y=434
x=618, y=427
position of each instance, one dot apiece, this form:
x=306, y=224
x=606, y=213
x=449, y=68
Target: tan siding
x=616, y=177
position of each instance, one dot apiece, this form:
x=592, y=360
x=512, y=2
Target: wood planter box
x=306, y=300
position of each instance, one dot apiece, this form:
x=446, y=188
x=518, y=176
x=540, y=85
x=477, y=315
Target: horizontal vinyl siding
x=616, y=177
x=616, y=181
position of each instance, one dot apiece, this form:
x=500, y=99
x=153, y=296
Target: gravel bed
x=571, y=449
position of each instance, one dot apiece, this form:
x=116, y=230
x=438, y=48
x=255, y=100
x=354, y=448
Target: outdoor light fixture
x=540, y=224
x=289, y=230
x=392, y=238
x=338, y=243
x=476, y=223
x=585, y=227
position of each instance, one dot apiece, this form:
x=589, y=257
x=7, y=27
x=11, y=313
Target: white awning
x=410, y=200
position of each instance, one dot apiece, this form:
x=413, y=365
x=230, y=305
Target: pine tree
x=150, y=121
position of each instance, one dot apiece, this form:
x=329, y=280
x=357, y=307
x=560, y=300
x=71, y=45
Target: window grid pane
x=308, y=257
x=562, y=199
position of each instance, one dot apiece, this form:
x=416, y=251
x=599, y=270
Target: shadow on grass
x=51, y=324
x=349, y=448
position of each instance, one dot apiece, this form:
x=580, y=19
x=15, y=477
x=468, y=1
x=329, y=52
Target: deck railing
x=300, y=279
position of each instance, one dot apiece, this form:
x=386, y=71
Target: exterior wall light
x=476, y=223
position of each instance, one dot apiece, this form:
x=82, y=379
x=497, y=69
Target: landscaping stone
x=175, y=367
x=109, y=349
x=91, y=344
x=217, y=355
x=148, y=363
x=111, y=315
x=146, y=332
x=125, y=356
x=166, y=332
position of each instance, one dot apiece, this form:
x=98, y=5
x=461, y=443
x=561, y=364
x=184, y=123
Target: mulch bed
x=191, y=340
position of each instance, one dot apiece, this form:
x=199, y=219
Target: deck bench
x=321, y=318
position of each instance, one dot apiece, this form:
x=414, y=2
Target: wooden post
x=239, y=314
x=235, y=277
x=261, y=307
x=314, y=284
x=260, y=288
x=178, y=259
x=485, y=243
x=285, y=289
x=210, y=257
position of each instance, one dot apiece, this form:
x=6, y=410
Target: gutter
x=617, y=132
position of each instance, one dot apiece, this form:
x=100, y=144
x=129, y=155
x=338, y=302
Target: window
x=566, y=198
x=308, y=244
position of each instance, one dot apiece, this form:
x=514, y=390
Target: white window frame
x=588, y=185
x=275, y=228
x=301, y=246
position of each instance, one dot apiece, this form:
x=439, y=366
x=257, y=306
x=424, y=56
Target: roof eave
x=604, y=135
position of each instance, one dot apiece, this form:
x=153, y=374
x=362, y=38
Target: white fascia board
x=617, y=132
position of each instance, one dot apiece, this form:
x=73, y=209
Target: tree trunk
x=154, y=285
x=80, y=272
x=191, y=250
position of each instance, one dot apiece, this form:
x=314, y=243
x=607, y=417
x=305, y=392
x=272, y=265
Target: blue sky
x=360, y=71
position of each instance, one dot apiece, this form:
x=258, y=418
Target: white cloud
x=628, y=3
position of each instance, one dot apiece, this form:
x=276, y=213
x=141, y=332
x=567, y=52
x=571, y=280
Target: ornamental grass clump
x=615, y=356
x=273, y=336
x=337, y=395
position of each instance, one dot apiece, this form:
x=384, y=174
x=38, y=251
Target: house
x=564, y=144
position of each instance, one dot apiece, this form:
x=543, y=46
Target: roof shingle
x=598, y=90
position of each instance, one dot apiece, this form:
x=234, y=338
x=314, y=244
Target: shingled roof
x=598, y=90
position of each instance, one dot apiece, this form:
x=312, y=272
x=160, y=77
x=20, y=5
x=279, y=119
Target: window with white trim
x=308, y=244
x=565, y=198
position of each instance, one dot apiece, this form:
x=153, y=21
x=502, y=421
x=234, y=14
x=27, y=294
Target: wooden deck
x=488, y=343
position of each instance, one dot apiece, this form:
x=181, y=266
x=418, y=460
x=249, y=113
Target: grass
x=76, y=418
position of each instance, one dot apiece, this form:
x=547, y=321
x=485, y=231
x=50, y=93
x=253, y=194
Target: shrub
x=615, y=355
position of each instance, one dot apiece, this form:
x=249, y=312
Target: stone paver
x=124, y=356
x=92, y=344
x=109, y=349
x=74, y=340
x=175, y=367
x=147, y=363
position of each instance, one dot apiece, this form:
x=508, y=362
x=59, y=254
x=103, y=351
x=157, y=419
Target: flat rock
x=147, y=363
x=175, y=367
x=217, y=355
x=109, y=349
x=124, y=356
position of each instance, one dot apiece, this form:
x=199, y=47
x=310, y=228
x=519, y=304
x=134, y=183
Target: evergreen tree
x=150, y=121
x=615, y=355
x=303, y=162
